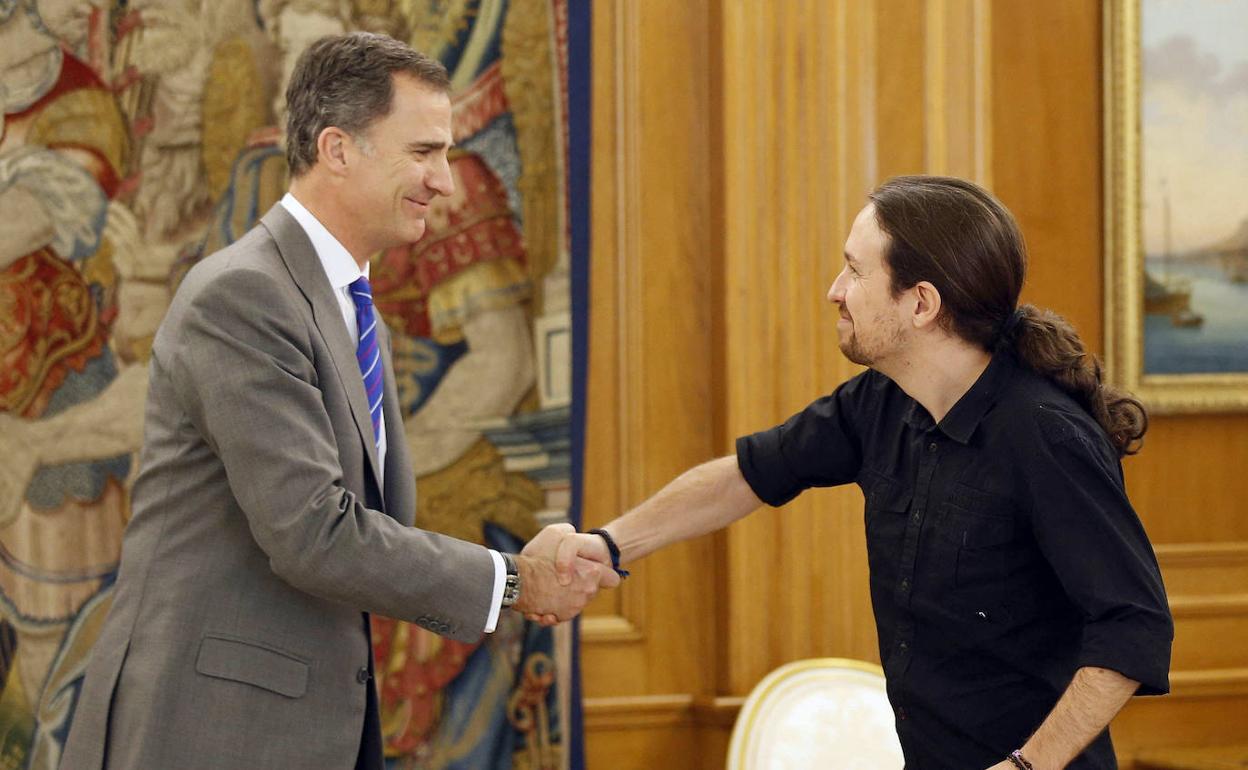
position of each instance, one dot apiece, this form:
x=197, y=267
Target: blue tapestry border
x=580, y=85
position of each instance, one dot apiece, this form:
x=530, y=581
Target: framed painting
x=1176, y=205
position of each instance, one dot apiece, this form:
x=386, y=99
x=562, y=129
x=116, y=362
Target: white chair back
x=826, y=713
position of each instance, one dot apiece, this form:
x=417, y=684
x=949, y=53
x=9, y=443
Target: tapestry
x=140, y=136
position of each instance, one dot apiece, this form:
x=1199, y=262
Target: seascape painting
x=1194, y=204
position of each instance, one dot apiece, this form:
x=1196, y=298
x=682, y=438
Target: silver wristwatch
x=511, y=589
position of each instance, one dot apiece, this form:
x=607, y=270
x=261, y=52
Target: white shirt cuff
x=496, y=603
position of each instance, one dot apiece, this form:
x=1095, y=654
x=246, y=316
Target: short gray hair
x=347, y=81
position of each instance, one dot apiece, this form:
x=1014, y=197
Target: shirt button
x=931, y=447
x=361, y=676
x=915, y=518
x=904, y=646
x=905, y=586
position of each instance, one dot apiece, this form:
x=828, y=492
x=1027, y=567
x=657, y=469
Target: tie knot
x=361, y=292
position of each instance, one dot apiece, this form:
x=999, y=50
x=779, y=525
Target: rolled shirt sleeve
x=817, y=447
x=1096, y=545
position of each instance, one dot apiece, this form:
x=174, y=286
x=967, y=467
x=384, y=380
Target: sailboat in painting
x=1166, y=294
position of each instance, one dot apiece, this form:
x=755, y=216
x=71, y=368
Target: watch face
x=511, y=590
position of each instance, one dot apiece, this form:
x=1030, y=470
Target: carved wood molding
x=1209, y=605
x=718, y=711
x=675, y=709
x=609, y=628
x=630, y=712
x=1233, y=553
x=622, y=60
x=1209, y=683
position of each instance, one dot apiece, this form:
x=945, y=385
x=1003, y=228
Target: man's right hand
x=562, y=544
x=549, y=598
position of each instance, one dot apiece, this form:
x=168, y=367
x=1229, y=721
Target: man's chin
x=416, y=231
x=853, y=353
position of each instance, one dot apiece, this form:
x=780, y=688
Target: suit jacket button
x=362, y=675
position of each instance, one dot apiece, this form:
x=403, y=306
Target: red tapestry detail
x=49, y=325
x=412, y=677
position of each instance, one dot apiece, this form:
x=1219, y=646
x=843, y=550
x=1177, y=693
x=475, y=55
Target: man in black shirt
x=1018, y=601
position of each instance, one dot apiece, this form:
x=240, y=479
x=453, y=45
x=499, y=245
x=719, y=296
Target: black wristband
x=613, y=549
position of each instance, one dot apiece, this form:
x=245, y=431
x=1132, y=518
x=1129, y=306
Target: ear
x=926, y=305
x=333, y=150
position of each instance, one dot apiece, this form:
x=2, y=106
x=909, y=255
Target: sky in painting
x=1194, y=138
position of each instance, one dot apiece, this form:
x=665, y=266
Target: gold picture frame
x=1125, y=284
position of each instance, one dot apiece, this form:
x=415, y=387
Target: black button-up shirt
x=1003, y=553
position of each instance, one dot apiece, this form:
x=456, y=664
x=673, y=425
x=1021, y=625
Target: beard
x=869, y=347
x=853, y=350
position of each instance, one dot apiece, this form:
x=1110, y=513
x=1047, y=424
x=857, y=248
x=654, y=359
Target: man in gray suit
x=275, y=502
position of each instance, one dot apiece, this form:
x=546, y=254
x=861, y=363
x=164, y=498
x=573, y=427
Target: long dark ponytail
x=1047, y=343
x=957, y=236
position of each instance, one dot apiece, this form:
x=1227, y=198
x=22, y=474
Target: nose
x=440, y=179
x=836, y=292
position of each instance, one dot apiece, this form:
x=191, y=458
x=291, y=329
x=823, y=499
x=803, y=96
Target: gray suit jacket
x=235, y=637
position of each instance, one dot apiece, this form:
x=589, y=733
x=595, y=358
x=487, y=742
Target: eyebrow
x=427, y=146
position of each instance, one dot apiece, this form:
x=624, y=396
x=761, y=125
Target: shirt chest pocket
x=887, y=504
x=983, y=533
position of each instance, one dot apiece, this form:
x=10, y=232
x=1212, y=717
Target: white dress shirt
x=342, y=270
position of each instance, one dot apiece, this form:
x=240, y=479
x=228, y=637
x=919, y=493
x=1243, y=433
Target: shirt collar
x=960, y=422
x=340, y=267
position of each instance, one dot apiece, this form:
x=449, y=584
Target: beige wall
x=733, y=143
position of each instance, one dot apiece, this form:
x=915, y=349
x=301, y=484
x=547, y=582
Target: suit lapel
x=399, y=492
x=305, y=267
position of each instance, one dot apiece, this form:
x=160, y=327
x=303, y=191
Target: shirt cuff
x=1137, y=647
x=496, y=601
x=763, y=468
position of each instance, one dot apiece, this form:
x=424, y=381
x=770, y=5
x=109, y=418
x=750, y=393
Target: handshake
x=560, y=571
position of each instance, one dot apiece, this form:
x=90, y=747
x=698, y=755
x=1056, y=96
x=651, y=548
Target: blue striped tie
x=367, y=353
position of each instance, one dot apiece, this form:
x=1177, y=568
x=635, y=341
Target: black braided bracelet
x=613, y=549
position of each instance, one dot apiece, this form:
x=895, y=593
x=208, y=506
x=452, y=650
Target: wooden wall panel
x=796, y=577
x=900, y=126
x=1189, y=483
x=1047, y=149
x=646, y=647
x=650, y=294
x=733, y=143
